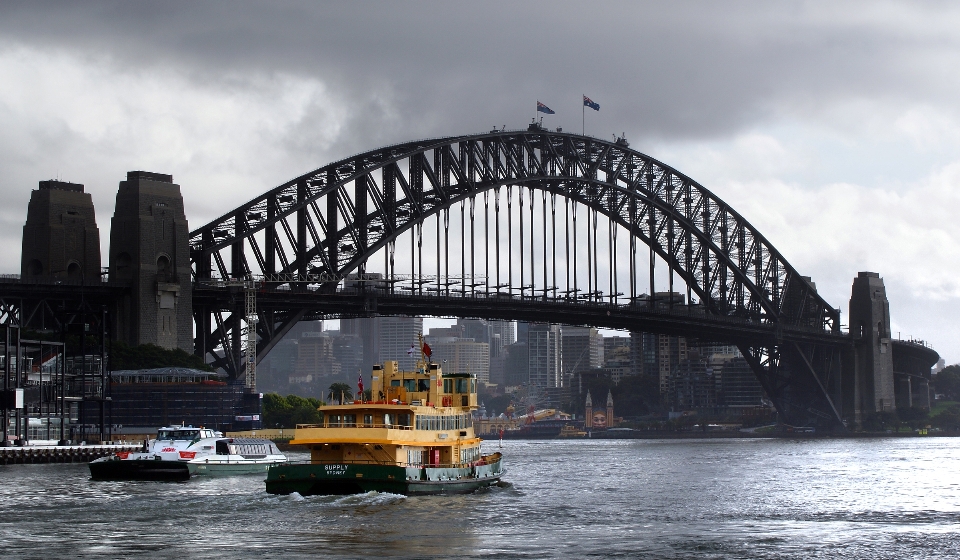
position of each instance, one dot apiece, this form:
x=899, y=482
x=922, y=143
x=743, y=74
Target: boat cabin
x=427, y=386
x=188, y=433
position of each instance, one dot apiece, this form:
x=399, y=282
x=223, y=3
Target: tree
x=915, y=417
x=340, y=392
x=947, y=382
x=949, y=419
x=148, y=356
x=287, y=412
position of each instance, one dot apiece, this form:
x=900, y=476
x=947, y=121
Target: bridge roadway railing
x=640, y=316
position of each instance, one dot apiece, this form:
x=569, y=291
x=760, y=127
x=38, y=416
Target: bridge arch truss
x=529, y=215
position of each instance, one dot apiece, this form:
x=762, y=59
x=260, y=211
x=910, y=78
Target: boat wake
x=369, y=499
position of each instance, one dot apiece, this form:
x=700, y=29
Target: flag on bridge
x=426, y=350
x=544, y=109
x=587, y=102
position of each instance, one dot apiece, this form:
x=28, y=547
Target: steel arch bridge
x=471, y=226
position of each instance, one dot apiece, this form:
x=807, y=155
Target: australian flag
x=587, y=102
x=544, y=109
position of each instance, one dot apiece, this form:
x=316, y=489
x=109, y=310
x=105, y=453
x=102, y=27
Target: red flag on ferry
x=426, y=350
x=360, y=383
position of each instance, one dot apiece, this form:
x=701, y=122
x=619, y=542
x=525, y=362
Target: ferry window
x=448, y=385
x=334, y=421
x=350, y=420
x=423, y=385
x=368, y=419
x=387, y=420
x=403, y=419
x=410, y=385
x=463, y=385
x=473, y=385
x=394, y=382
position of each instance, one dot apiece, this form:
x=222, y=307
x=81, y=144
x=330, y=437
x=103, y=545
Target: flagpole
x=583, y=118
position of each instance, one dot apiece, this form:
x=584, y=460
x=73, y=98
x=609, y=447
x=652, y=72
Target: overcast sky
x=833, y=127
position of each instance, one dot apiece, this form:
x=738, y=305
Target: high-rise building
x=463, y=355
x=506, y=330
x=516, y=364
x=477, y=329
x=315, y=360
x=618, y=357
x=397, y=336
x=544, y=348
x=670, y=352
x=582, y=348
x=367, y=330
x=739, y=385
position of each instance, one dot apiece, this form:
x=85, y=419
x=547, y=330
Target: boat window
x=222, y=448
x=463, y=385
x=410, y=385
x=448, y=385
x=334, y=421
x=350, y=420
x=423, y=385
x=394, y=382
x=387, y=420
x=368, y=419
x=178, y=434
x=415, y=457
x=403, y=419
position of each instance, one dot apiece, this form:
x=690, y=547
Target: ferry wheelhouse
x=416, y=437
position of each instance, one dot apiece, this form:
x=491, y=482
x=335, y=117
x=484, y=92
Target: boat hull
x=218, y=468
x=138, y=469
x=313, y=479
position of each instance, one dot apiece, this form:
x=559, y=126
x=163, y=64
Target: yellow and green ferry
x=415, y=438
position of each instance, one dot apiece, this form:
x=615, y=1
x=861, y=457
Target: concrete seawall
x=60, y=453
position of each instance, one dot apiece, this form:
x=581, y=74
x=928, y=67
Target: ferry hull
x=328, y=479
x=138, y=469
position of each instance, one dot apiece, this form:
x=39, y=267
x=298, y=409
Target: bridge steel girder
x=330, y=221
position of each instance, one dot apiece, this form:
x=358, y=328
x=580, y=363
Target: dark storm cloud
x=418, y=69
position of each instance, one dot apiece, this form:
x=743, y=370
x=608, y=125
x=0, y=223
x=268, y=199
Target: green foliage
x=880, y=421
x=947, y=382
x=340, y=392
x=948, y=420
x=287, y=412
x=914, y=417
x=148, y=356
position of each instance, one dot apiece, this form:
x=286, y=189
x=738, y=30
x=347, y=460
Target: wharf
x=61, y=453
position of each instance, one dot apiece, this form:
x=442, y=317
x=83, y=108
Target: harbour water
x=712, y=498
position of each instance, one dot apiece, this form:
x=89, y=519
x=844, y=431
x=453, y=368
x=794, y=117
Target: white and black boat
x=179, y=452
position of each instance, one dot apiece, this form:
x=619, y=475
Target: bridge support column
x=149, y=249
x=872, y=371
